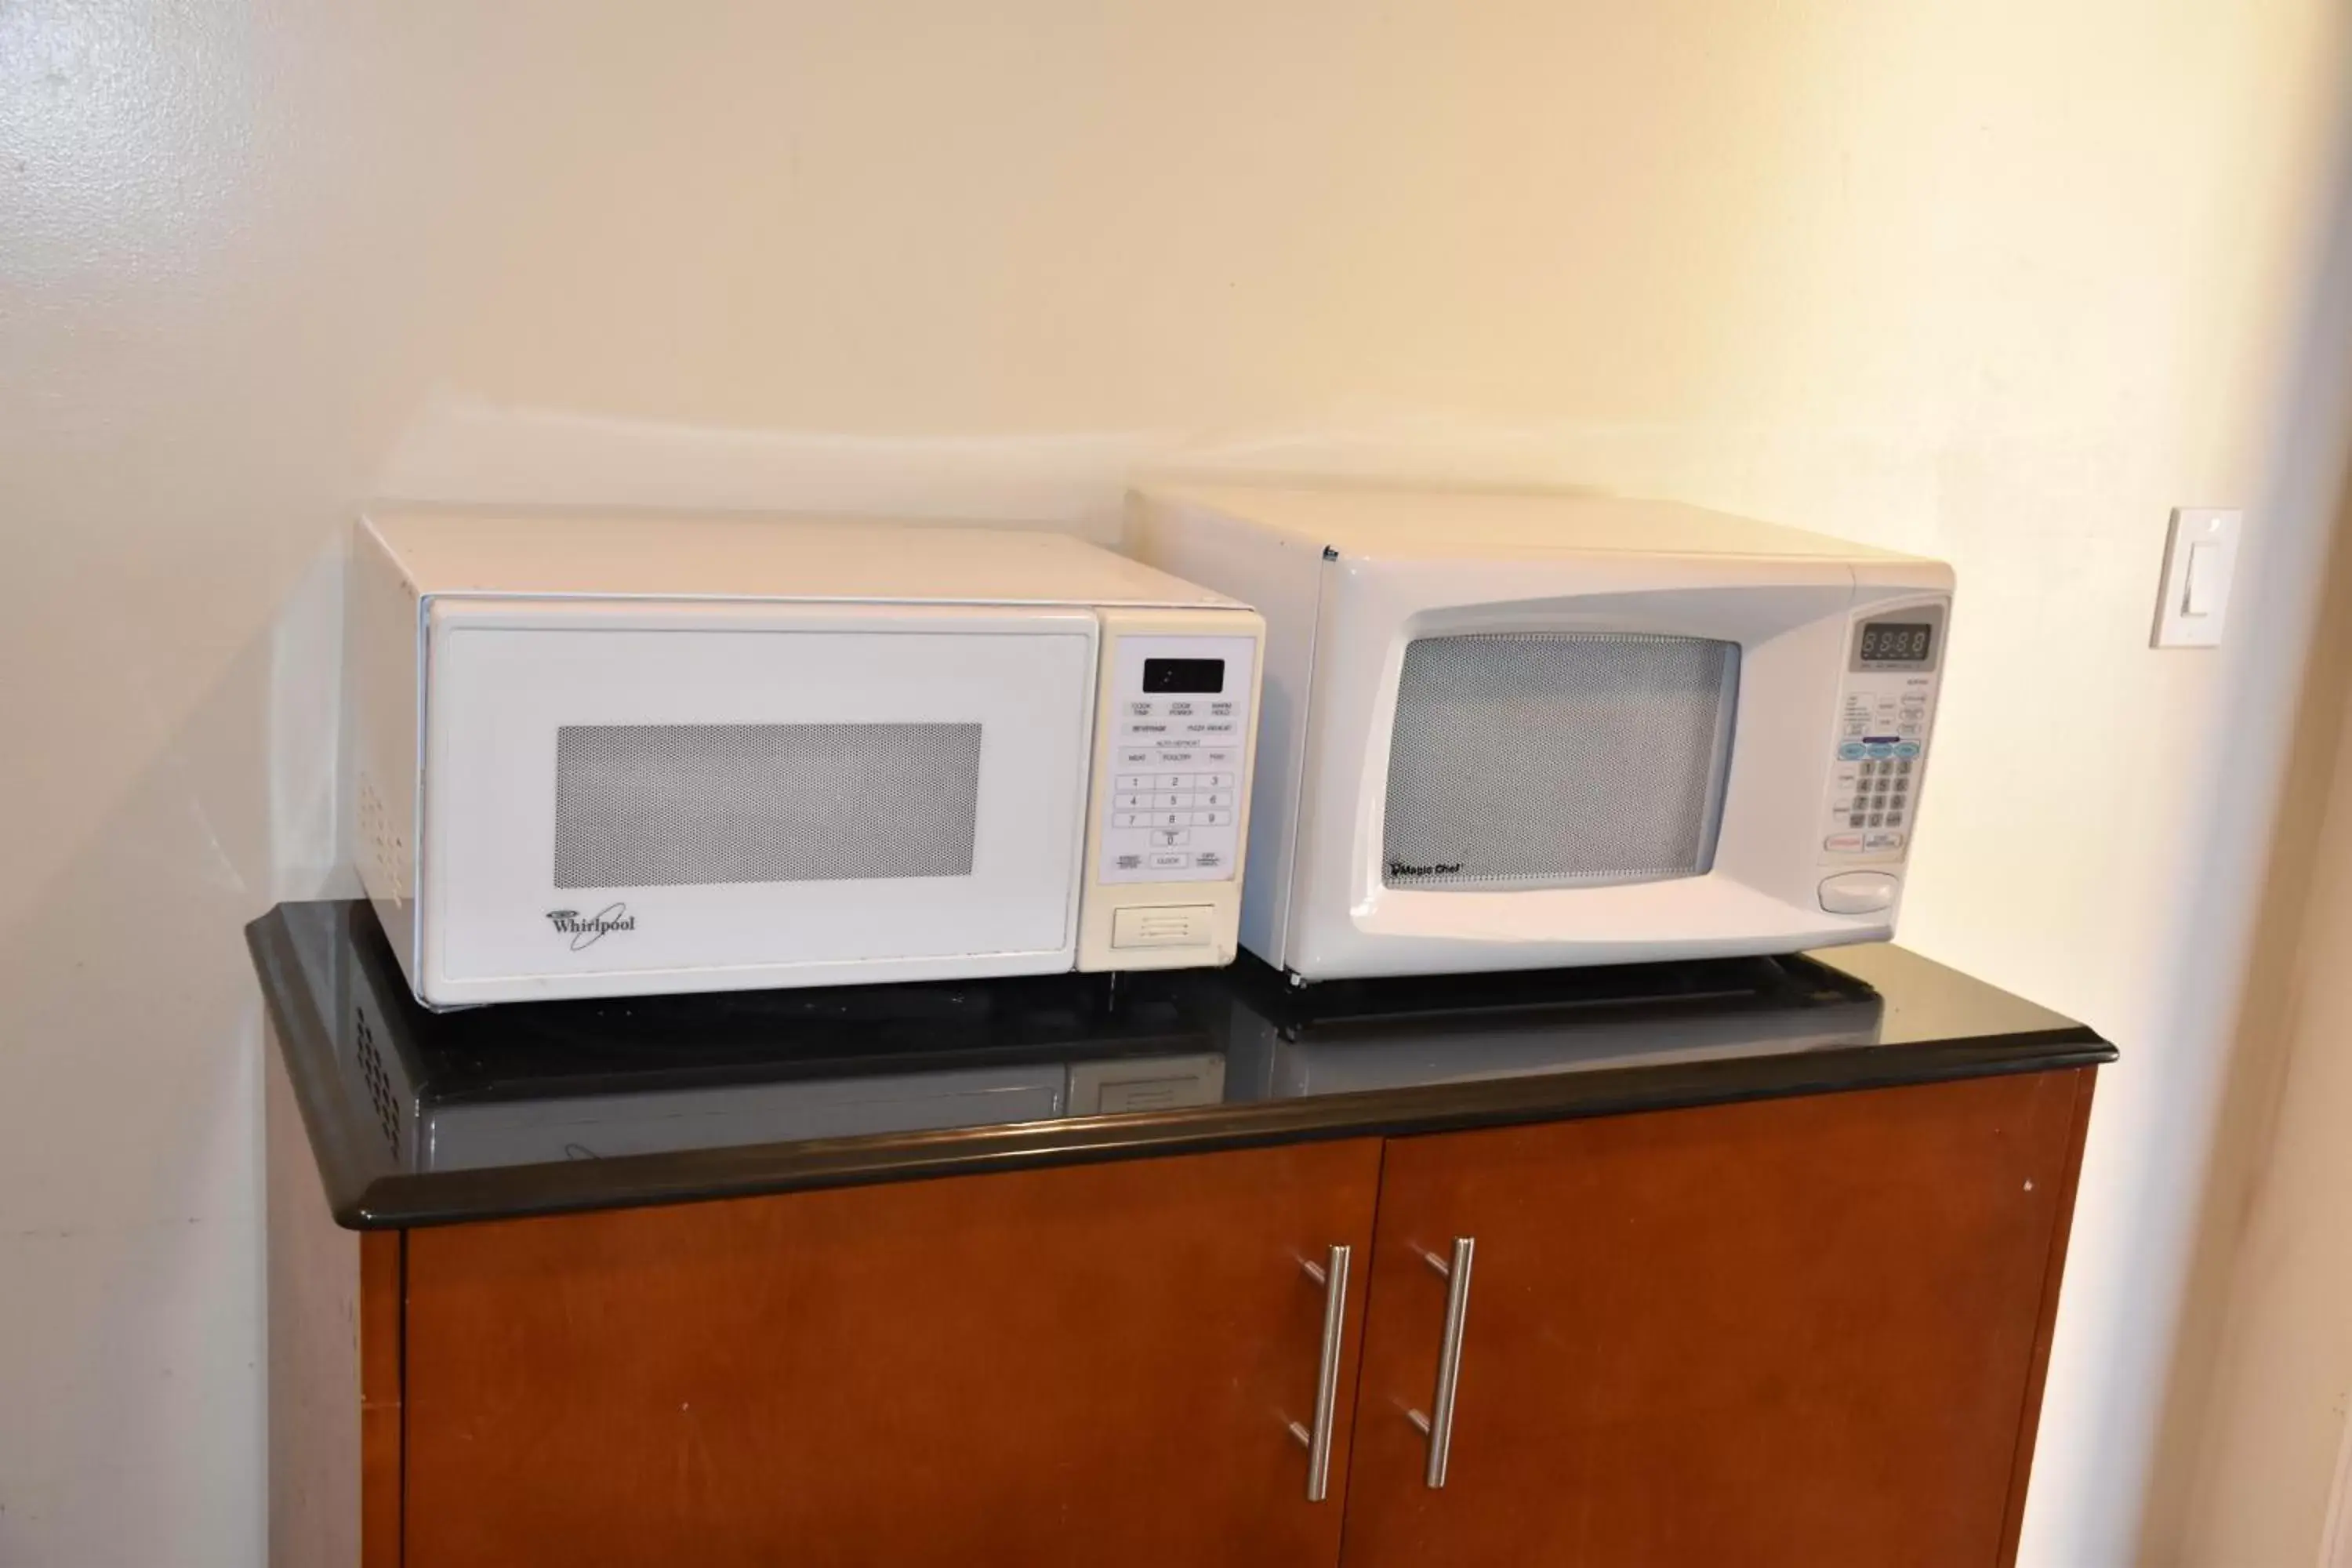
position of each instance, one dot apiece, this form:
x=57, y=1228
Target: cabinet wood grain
x=1795, y=1332
x=1082, y=1365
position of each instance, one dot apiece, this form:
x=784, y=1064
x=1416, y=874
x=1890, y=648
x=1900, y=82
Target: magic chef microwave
x=610, y=757
x=1511, y=732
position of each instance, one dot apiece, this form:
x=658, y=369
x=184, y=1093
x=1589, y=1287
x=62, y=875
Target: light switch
x=2199, y=596
x=2201, y=556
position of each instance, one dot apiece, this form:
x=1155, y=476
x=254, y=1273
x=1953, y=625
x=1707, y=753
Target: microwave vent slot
x=378, y=839
x=378, y=1082
x=669, y=805
x=1568, y=759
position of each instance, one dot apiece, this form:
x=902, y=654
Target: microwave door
x=738, y=796
x=1600, y=760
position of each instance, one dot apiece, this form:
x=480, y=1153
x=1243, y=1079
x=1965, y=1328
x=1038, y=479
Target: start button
x=1172, y=925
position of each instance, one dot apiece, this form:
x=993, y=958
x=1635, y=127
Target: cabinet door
x=1795, y=1332
x=1084, y=1365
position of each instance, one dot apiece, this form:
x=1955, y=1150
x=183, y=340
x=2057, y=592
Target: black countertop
x=420, y=1118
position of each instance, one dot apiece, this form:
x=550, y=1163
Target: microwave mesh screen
x=668, y=806
x=1543, y=760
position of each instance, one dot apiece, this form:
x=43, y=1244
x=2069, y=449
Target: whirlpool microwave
x=1514, y=732
x=601, y=756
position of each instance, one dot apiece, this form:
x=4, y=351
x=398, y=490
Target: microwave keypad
x=1881, y=795
x=1881, y=758
x=1173, y=810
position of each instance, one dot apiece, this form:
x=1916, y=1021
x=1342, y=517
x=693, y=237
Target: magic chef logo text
x=587, y=930
x=1441, y=868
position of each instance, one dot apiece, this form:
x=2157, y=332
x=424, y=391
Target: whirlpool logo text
x=587, y=930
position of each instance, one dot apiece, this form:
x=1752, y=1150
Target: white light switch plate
x=2201, y=556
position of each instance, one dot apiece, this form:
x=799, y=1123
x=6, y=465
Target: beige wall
x=2255, y=1466
x=2261, y=1433
x=1998, y=281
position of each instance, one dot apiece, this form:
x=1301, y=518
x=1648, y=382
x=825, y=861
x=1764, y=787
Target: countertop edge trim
x=407, y=1200
x=346, y=1187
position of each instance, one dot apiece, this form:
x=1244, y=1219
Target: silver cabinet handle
x=1439, y=1422
x=1332, y=1276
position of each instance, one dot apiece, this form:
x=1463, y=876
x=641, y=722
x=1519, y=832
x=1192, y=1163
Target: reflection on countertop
x=421, y=1117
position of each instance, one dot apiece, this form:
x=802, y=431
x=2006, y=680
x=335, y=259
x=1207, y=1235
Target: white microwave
x=604, y=756
x=1516, y=731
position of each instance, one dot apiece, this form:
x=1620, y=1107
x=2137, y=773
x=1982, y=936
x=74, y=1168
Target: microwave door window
x=1546, y=760
x=666, y=805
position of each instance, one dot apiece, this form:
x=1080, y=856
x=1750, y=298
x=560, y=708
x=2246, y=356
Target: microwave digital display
x=1897, y=642
x=1187, y=676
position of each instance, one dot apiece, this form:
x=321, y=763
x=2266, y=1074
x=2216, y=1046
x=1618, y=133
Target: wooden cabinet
x=1800, y=1332
x=1795, y=1330
x=1072, y=1367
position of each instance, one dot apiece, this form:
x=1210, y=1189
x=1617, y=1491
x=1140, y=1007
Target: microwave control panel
x=1178, y=757
x=1887, y=706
